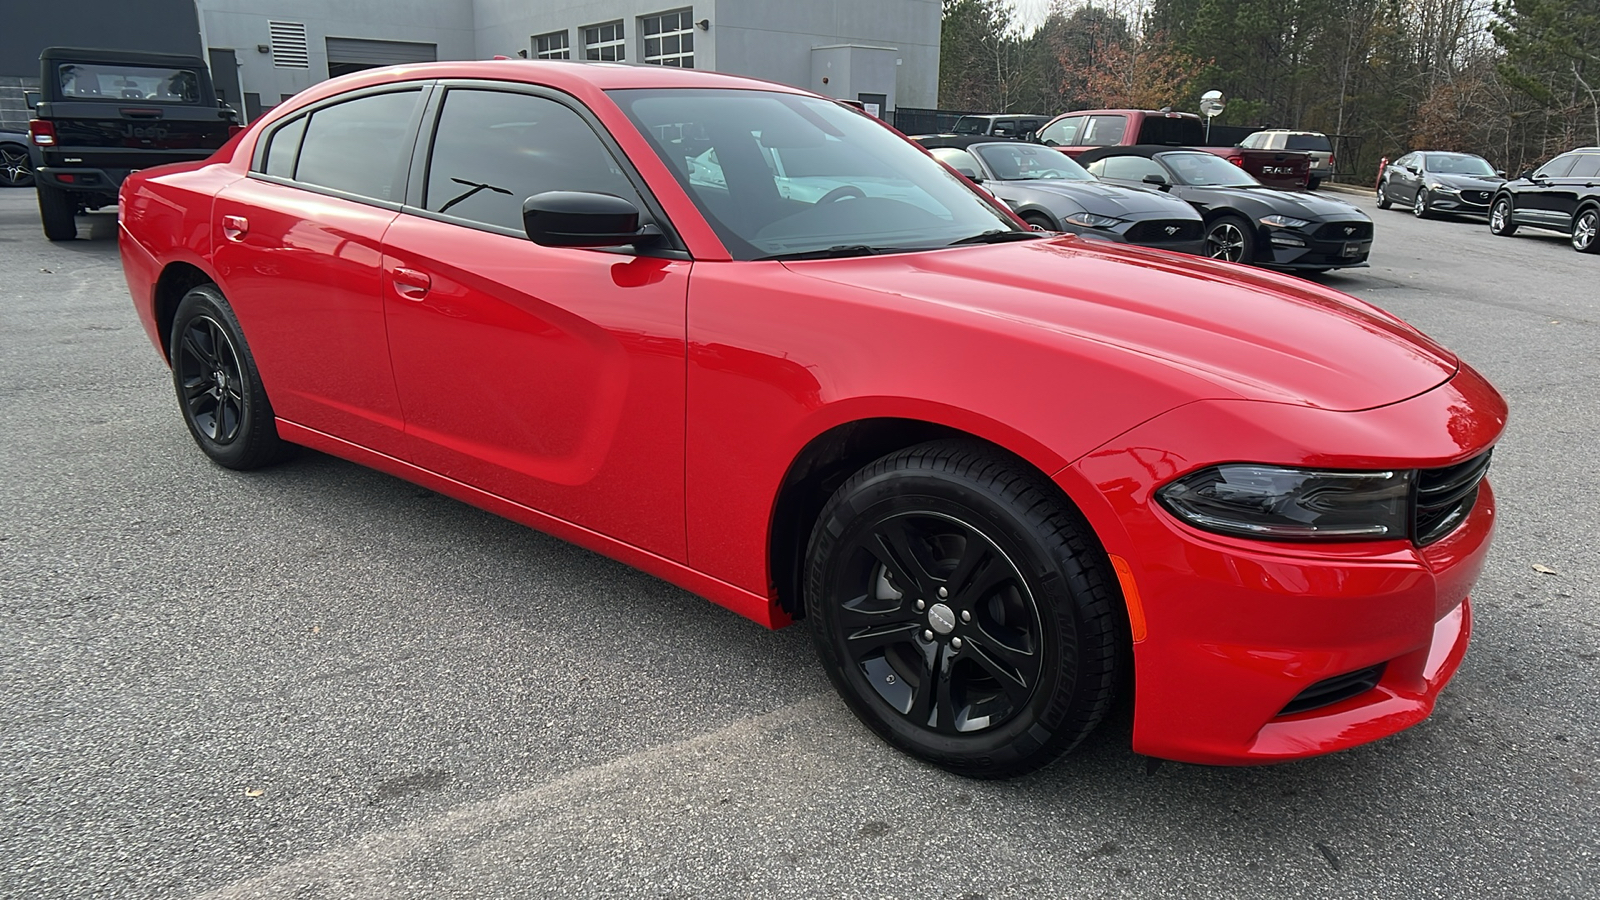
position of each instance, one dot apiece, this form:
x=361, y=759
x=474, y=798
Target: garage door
x=346, y=55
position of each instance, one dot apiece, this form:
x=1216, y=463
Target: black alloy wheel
x=1500, y=217
x=1586, y=231
x=15, y=169
x=1231, y=238
x=1419, y=206
x=963, y=612
x=1383, y=194
x=219, y=390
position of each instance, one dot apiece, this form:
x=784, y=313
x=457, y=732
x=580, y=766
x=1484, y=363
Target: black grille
x=1475, y=196
x=1444, y=497
x=1329, y=691
x=1155, y=231
x=1335, y=231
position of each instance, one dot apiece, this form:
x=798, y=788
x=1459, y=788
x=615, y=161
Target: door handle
x=411, y=284
x=234, y=228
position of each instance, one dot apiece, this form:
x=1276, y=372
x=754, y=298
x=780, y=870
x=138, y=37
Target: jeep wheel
x=59, y=213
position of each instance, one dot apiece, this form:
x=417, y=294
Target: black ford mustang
x=1245, y=221
x=1046, y=188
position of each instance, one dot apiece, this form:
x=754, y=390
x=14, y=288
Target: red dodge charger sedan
x=753, y=342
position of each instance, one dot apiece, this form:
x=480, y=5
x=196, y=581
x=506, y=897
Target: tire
x=15, y=168
x=1500, y=217
x=58, y=211
x=1586, y=230
x=1383, y=195
x=1313, y=184
x=219, y=389
x=1419, y=205
x=1231, y=238
x=1039, y=220
x=1015, y=654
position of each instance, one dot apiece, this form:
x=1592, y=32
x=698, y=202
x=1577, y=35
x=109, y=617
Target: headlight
x=1276, y=503
x=1284, y=222
x=1091, y=220
x=1442, y=188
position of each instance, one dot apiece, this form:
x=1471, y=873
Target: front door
x=551, y=376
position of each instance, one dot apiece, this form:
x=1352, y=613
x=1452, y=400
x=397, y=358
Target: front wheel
x=15, y=168
x=1419, y=206
x=1586, y=231
x=1039, y=220
x=58, y=212
x=1500, y=218
x=1231, y=238
x=964, y=614
x=219, y=389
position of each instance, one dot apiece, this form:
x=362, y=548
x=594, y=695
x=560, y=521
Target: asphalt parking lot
x=317, y=681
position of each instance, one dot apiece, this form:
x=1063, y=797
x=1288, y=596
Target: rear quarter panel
x=164, y=218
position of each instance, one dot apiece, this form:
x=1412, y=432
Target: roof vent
x=289, y=45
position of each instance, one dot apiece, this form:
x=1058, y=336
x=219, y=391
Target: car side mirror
x=1156, y=180
x=1499, y=173
x=583, y=219
x=1526, y=175
x=31, y=98
x=971, y=176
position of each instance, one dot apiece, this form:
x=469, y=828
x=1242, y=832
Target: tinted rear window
x=1309, y=142
x=1588, y=166
x=1173, y=132
x=355, y=146
x=111, y=81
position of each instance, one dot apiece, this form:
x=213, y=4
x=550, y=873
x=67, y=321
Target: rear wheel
x=1230, y=238
x=1383, y=195
x=963, y=614
x=1500, y=217
x=219, y=389
x=1586, y=231
x=1313, y=184
x=58, y=211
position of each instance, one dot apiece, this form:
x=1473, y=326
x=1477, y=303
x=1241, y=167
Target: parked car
x=971, y=130
x=1053, y=192
x=1563, y=195
x=1002, y=474
x=16, y=170
x=1076, y=133
x=1313, y=142
x=105, y=113
x=1246, y=222
x=1430, y=182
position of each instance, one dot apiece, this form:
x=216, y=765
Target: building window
x=604, y=42
x=669, y=39
x=552, y=46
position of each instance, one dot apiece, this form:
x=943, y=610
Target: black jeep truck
x=105, y=113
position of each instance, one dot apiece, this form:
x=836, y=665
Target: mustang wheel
x=1500, y=218
x=1585, y=238
x=1383, y=195
x=1230, y=238
x=219, y=389
x=963, y=613
x=15, y=170
x=1419, y=206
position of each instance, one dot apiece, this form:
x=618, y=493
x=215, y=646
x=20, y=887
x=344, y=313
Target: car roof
x=1287, y=131
x=126, y=57
x=605, y=76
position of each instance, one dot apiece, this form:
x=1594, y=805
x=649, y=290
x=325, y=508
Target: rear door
x=299, y=250
x=551, y=376
x=1541, y=202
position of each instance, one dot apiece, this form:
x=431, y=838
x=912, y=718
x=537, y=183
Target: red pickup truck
x=1077, y=132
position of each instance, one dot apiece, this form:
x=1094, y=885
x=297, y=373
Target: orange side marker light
x=1130, y=594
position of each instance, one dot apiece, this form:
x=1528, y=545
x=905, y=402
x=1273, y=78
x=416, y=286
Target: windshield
x=1027, y=162
x=972, y=125
x=1205, y=170
x=1458, y=164
x=779, y=174
x=1317, y=142
x=148, y=84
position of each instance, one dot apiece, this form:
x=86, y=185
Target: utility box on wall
x=856, y=72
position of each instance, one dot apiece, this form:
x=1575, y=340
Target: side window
x=1558, y=167
x=1406, y=162
x=1101, y=131
x=1588, y=166
x=357, y=145
x=1251, y=142
x=494, y=149
x=1129, y=168
x=1062, y=132
x=283, y=148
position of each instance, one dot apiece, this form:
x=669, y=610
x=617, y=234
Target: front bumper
x=1465, y=203
x=1292, y=248
x=1238, y=629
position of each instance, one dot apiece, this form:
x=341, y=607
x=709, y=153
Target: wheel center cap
x=942, y=618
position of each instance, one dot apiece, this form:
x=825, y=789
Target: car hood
x=1250, y=334
x=1466, y=182
x=1109, y=199
x=1300, y=204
